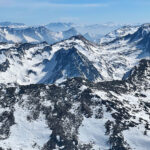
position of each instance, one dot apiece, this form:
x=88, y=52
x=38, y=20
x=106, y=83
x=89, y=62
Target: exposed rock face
x=72, y=63
x=78, y=114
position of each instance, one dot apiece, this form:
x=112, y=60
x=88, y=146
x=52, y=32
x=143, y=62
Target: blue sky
x=79, y=11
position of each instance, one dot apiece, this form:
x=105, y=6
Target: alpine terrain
x=60, y=91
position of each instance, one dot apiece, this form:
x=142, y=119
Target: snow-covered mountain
x=41, y=63
x=100, y=99
x=33, y=34
x=53, y=32
x=125, y=47
x=78, y=114
x=17, y=33
x=75, y=57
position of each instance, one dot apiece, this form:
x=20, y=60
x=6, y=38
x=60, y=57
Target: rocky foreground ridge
x=78, y=114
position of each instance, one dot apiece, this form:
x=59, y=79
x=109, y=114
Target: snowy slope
x=78, y=114
x=42, y=63
x=122, y=50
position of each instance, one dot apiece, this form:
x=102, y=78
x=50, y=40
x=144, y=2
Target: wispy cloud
x=71, y=5
x=39, y=4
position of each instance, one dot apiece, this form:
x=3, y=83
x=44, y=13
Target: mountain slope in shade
x=78, y=114
x=70, y=63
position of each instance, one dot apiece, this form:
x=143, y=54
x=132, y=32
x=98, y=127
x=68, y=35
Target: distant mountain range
x=91, y=32
x=11, y=24
x=18, y=32
x=83, y=28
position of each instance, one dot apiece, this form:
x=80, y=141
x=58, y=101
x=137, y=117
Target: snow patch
x=93, y=131
x=25, y=134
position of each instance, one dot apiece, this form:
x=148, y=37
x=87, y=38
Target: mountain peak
x=79, y=37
